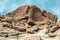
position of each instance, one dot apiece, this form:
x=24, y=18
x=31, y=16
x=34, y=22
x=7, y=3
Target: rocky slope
x=29, y=23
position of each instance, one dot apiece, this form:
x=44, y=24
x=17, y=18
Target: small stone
x=51, y=34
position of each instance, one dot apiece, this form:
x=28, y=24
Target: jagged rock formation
x=29, y=19
x=30, y=16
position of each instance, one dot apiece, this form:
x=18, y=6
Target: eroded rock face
x=26, y=17
x=31, y=14
x=30, y=19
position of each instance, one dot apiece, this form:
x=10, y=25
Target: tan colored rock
x=51, y=35
x=29, y=30
x=45, y=26
x=58, y=23
x=32, y=29
x=54, y=28
x=25, y=19
x=35, y=28
x=32, y=38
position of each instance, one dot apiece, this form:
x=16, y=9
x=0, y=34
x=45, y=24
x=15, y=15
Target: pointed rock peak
x=23, y=10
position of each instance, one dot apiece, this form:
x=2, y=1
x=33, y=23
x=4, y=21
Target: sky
x=52, y=6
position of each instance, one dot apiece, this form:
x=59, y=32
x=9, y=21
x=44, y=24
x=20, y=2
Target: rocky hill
x=29, y=23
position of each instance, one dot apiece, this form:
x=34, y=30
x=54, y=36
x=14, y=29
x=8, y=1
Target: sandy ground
x=41, y=33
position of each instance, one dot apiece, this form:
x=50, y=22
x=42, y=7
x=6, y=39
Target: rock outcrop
x=29, y=16
x=29, y=19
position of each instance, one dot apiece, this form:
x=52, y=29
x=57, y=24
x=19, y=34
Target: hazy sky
x=52, y=6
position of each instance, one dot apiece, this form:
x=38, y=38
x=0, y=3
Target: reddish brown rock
x=33, y=14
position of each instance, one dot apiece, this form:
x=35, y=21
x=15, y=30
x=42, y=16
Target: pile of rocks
x=30, y=19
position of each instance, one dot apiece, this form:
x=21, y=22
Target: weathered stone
x=45, y=26
x=54, y=28
x=51, y=35
x=29, y=30
x=33, y=13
